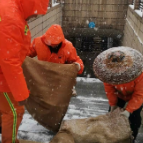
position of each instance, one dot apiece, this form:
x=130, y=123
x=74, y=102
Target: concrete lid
x=118, y=65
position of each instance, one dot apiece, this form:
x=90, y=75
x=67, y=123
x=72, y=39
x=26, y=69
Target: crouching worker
x=121, y=71
x=14, y=45
x=53, y=47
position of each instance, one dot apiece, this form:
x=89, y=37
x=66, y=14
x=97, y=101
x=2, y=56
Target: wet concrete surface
x=90, y=101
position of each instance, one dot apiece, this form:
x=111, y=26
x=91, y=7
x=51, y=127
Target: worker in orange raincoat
x=14, y=46
x=53, y=47
x=121, y=71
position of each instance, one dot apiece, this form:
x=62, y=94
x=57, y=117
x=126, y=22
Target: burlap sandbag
x=50, y=86
x=109, y=128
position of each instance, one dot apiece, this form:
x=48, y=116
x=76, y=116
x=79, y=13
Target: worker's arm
x=111, y=94
x=137, y=97
x=32, y=51
x=11, y=46
x=74, y=58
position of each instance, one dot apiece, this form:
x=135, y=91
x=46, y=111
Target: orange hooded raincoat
x=15, y=40
x=65, y=54
x=132, y=92
x=14, y=46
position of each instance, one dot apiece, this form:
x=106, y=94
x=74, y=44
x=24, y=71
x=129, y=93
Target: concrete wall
x=105, y=13
x=133, y=32
x=40, y=25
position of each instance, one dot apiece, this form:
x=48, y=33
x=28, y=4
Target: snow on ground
x=80, y=107
x=88, y=99
x=89, y=80
x=90, y=102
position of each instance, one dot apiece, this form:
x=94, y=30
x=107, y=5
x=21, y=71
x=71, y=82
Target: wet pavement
x=89, y=102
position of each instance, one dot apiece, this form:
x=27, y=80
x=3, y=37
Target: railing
x=138, y=5
x=141, y=5
x=133, y=2
x=54, y=2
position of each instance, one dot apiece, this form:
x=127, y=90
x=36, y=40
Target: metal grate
x=141, y=5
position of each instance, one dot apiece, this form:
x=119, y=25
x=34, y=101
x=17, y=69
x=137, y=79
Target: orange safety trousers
x=10, y=117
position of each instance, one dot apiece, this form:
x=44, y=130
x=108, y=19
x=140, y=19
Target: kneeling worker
x=121, y=71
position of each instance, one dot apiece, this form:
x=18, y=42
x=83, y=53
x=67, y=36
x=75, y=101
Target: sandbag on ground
x=50, y=86
x=109, y=128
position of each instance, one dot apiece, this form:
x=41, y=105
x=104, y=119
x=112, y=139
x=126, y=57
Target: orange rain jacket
x=131, y=92
x=66, y=53
x=15, y=41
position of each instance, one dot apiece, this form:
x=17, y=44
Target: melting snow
x=89, y=80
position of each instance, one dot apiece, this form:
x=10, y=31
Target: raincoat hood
x=54, y=35
x=33, y=7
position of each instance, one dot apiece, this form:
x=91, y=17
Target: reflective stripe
x=14, y=119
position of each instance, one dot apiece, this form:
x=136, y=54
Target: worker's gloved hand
x=113, y=108
x=125, y=113
x=77, y=66
x=22, y=103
